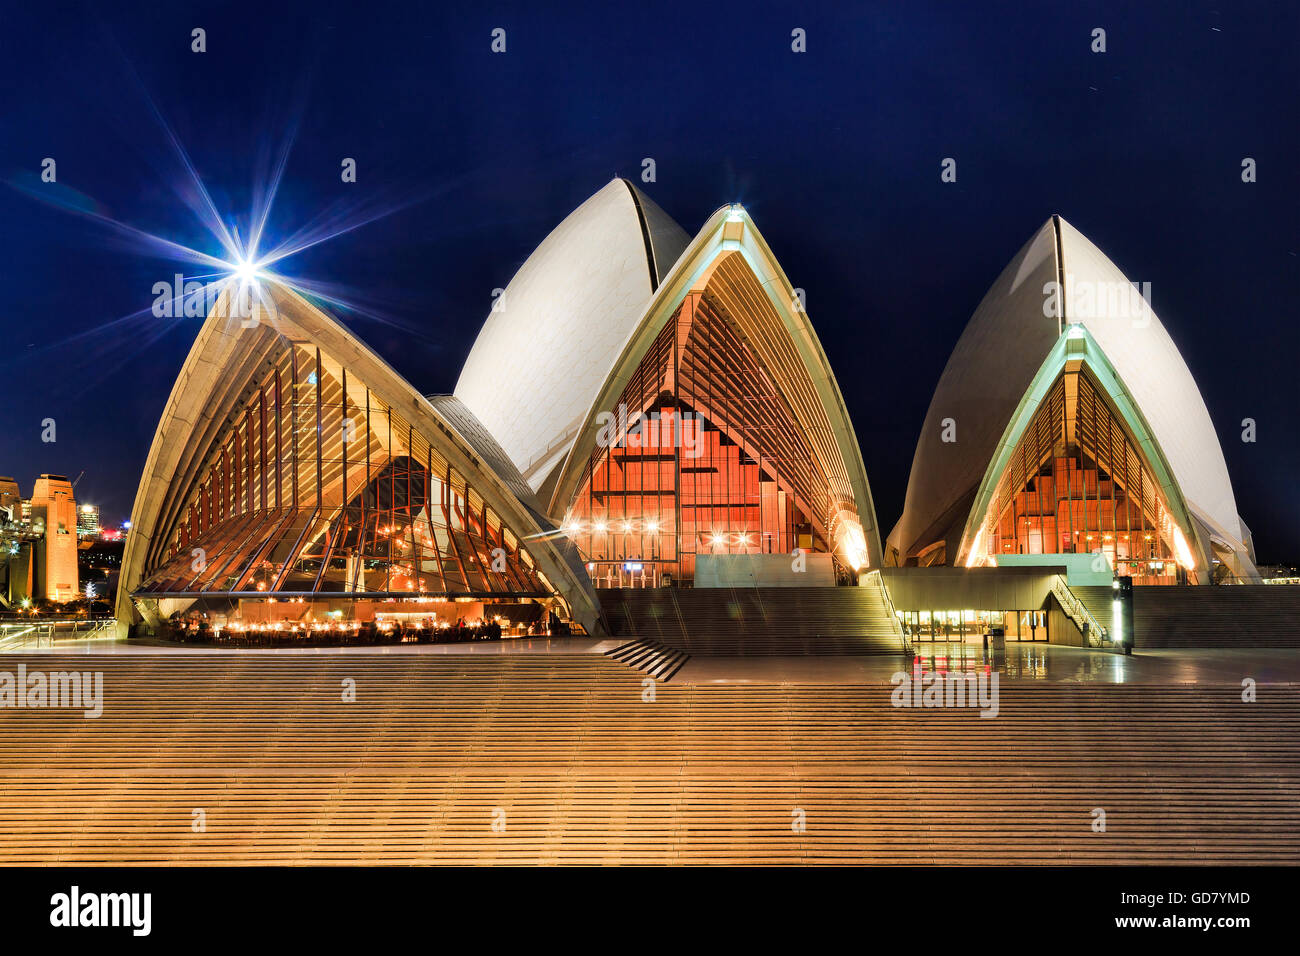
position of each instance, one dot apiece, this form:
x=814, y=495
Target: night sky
x=835, y=152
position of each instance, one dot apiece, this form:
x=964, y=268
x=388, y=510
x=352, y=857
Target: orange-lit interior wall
x=702, y=454
x=1077, y=483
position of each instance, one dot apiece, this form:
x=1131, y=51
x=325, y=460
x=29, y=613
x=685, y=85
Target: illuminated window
x=316, y=485
x=704, y=456
x=1077, y=483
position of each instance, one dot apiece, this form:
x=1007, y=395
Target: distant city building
x=88, y=521
x=1279, y=574
x=99, y=562
x=54, y=514
x=11, y=501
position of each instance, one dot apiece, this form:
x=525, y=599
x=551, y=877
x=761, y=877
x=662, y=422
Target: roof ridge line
x=645, y=235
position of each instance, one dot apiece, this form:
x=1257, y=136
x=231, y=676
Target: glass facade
x=702, y=454
x=317, y=487
x=971, y=625
x=1077, y=483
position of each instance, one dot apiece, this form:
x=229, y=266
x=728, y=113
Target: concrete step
x=650, y=657
x=562, y=749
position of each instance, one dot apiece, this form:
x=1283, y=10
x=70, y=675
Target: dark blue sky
x=835, y=152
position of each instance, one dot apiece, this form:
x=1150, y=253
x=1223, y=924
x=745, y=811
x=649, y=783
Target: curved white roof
x=1001, y=350
x=558, y=328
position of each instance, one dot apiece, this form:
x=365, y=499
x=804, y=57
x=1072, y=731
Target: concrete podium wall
x=981, y=589
x=763, y=570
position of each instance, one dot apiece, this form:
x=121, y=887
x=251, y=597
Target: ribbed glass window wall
x=1077, y=483
x=316, y=486
x=702, y=454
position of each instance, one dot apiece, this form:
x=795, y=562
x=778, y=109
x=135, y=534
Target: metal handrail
x=899, y=630
x=19, y=639
x=43, y=633
x=1078, y=612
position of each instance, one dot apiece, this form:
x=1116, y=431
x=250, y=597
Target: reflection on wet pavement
x=1038, y=661
x=1017, y=661
x=1014, y=661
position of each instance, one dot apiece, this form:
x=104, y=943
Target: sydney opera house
x=1066, y=422
x=647, y=409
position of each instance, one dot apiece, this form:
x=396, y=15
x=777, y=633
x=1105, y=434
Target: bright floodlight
x=246, y=270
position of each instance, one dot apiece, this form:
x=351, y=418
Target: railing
x=878, y=580
x=1078, y=612
x=41, y=634
x=11, y=638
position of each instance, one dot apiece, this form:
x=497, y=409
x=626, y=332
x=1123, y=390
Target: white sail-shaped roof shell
x=1001, y=350
x=560, y=324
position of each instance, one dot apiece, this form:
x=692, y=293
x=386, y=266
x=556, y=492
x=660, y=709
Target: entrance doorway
x=971, y=625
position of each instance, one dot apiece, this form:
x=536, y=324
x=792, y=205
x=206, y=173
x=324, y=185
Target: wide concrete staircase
x=651, y=658
x=254, y=757
x=1247, y=615
x=740, y=622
